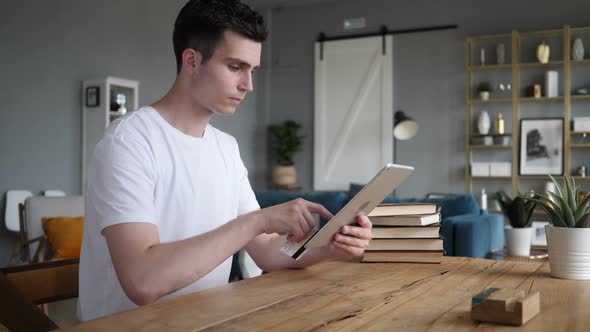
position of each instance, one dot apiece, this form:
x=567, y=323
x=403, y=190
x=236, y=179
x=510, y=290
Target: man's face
x=220, y=84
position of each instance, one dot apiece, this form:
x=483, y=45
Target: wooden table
x=350, y=296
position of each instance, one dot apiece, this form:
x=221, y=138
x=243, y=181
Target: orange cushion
x=64, y=235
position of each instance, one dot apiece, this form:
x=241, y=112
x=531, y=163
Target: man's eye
x=234, y=68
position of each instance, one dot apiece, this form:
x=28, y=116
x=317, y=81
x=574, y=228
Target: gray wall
x=429, y=70
x=46, y=49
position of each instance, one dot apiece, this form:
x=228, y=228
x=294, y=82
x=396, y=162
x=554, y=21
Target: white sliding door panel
x=353, y=111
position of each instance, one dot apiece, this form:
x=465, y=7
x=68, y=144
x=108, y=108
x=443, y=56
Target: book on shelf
x=405, y=244
x=399, y=209
x=405, y=256
x=396, y=232
x=406, y=220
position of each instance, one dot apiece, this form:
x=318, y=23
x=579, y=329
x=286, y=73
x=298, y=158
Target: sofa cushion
x=331, y=200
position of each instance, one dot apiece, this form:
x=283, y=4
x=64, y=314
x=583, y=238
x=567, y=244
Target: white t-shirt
x=145, y=170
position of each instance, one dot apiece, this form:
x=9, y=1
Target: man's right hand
x=293, y=218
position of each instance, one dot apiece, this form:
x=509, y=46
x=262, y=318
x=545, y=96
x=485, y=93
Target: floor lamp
x=404, y=128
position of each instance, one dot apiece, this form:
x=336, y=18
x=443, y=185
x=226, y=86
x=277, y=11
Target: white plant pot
x=518, y=240
x=569, y=252
x=484, y=95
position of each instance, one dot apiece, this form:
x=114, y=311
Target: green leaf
x=582, y=207
x=571, y=195
x=549, y=207
x=556, y=185
x=566, y=212
x=584, y=222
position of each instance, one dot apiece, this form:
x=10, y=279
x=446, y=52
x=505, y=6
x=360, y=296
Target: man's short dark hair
x=201, y=23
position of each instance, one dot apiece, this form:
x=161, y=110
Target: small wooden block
x=505, y=306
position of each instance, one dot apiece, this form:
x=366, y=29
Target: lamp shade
x=404, y=127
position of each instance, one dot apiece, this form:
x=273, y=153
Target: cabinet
x=100, y=107
x=514, y=96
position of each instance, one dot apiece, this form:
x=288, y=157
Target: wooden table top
x=350, y=296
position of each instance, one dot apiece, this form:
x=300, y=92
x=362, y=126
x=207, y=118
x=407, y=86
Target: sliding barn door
x=353, y=110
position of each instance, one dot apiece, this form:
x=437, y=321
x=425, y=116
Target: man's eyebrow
x=242, y=63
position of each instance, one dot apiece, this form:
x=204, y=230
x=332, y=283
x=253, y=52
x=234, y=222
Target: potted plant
x=569, y=233
x=484, y=89
x=519, y=234
x=285, y=143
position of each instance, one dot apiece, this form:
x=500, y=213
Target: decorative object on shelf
x=482, y=56
x=500, y=168
x=568, y=234
x=519, y=212
x=483, y=200
x=483, y=122
x=484, y=89
x=480, y=168
x=551, y=83
x=581, y=170
x=92, y=96
x=285, y=143
x=582, y=91
x=541, y=146
x=500, y=124
x=121, y=100
x=582, y=123
x=502, y=140
x=537, y=90
x=500, y=54
x=543, y=52
x=578, y=49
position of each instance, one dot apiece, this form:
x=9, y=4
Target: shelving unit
x=521, y=70
x=99, y=110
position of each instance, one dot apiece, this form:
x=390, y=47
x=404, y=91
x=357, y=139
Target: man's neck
x=178, y=109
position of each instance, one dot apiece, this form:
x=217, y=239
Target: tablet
x=387, y=180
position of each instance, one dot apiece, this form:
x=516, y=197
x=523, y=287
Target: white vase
x=483, y=123
x=578, y=49
x=484, y=95
x=569, y=252
x=551, y=82
x=518, y=240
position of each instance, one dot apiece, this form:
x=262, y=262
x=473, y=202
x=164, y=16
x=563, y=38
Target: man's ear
x=191, y=59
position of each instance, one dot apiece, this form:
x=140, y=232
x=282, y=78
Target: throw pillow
x=64, y=235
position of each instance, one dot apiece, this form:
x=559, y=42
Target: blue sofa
x=465, y=228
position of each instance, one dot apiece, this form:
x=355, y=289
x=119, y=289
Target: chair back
x=13, y=199
x=38, y=207
x=24, y=287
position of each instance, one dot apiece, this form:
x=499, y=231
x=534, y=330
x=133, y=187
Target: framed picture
x=92, y=96
x=541, y=146
x=539, y=239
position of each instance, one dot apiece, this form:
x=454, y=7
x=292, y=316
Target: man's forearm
x=167, y=267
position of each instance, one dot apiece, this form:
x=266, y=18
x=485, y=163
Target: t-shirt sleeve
x=247, y=200
x=121, y=182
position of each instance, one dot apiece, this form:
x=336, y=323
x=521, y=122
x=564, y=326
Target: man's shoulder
x=134, y=125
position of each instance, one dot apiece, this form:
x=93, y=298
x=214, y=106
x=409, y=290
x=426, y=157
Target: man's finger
x=364, y=221
x=309, y=218
x=361, y=233
x=351, y=241
x=319, y=209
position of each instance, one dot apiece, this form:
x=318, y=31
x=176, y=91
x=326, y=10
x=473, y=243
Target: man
x=168, y=200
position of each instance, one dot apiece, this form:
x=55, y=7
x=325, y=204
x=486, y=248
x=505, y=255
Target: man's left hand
x=352, y=240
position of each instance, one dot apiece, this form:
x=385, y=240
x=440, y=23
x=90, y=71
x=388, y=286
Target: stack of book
x=407, y=232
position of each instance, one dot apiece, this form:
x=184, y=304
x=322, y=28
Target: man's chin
x=225, y=111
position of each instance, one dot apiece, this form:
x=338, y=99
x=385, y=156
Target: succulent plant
x=485, y=87
x=567, y=207
x=518, y=210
